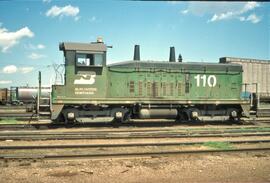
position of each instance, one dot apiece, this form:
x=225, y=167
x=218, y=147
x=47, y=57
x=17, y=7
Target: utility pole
x=39, y=91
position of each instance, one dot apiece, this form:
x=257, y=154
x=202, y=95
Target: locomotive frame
x=144, y=89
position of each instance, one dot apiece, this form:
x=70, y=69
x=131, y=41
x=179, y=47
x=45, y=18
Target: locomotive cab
x=85, y=74
x=84, y=65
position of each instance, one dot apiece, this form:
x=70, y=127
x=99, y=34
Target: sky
x=30, y=32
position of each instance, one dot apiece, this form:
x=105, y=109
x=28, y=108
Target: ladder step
x=45, y=120
x=44, y=105
x=45, y=98
x=44, y=113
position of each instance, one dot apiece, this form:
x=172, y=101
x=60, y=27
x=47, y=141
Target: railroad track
x=122, y=150
x=129, y=134
x=136, y=123
x=125, y=145
x=131, y=129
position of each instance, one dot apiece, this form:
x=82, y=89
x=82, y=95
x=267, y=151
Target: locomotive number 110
x=210, y=80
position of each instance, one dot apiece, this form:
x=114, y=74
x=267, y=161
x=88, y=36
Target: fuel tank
x=158, y=113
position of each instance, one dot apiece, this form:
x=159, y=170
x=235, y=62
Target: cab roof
x=95, y=46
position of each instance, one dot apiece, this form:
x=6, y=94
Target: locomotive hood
x=177, y=66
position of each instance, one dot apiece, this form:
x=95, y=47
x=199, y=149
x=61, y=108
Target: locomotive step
x=43, y=113
x=44, y=105
x=44, y=98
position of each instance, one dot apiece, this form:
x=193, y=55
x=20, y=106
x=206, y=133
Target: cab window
x=89, y=59
x=98, y=60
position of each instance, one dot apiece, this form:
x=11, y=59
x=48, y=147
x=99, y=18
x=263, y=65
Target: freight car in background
x=145, y=89
x=22, y=95
x=256, y=82
x=28, y=95
x=4, y=96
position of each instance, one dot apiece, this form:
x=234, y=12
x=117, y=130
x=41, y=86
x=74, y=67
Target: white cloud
x=5, y=81
x=40, y=46
x=34, y=47
x=242, y=19
x=222, y=10
x=46, y=1
x=9, y=39
x=35, y=56
x=92, y=19
x=174, y=2
x=25, y=70
x=184, y=11
x=68, y=10
x=77, y=18
x=237, y=14
x=222, y=16
x=253, y=18
x=9, y=69
x=250, y=6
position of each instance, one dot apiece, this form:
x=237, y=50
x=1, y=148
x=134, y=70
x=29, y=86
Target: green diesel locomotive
x=144, y=89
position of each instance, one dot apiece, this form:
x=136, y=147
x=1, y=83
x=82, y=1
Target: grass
x=8, y=121
x=218, y=145
x=243, y=129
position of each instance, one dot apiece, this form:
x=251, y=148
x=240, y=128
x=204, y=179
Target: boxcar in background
x=256, y=81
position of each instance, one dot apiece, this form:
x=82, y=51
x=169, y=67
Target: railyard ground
x=232, y=167
x=219, y=167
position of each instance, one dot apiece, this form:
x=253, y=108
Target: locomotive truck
x=144, y=89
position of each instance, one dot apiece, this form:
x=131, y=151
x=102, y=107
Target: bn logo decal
x=86, y=79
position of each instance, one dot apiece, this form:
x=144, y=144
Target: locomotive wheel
x=234, y=114
x=194, y=114
x=120, y=116
x=182, y=117
x=70, y=115
x=189, y=115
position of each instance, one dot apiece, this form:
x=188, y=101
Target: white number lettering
x=204, y=80
x=211, y=80
x=198, y=80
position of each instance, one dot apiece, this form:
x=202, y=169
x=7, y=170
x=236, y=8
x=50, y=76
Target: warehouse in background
x=256, y=81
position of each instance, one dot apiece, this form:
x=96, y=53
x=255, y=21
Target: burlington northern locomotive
x=144, y=89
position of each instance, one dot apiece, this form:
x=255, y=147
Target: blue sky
x=30, y=32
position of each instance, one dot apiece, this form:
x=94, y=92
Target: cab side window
x=98, y=60
x=83, y=60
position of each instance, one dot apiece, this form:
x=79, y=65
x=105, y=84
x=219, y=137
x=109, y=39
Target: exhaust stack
x=180, y=59
x=172, y=54
x=136, y=52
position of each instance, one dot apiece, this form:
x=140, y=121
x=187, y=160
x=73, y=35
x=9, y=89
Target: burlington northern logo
x=86, y=79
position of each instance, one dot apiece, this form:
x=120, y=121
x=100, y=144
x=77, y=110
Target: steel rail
x=214, y=130
x=128, y=136
x=3, y=126
x=127, y=145
x=102, y=124
x=133, y=154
